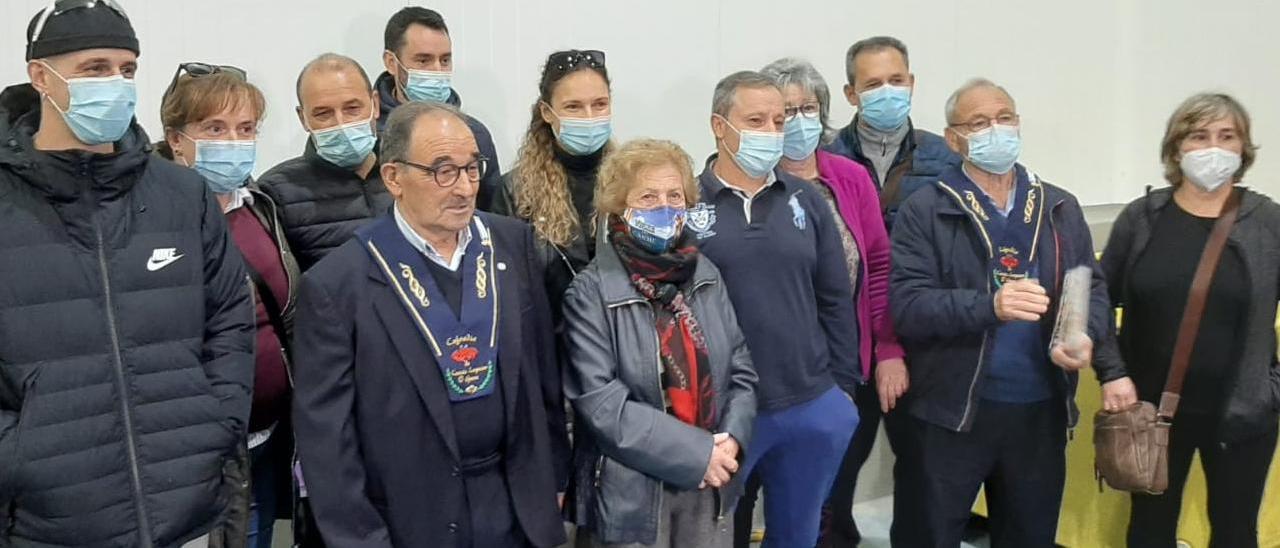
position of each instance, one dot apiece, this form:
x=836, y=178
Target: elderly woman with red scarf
x=660, y=376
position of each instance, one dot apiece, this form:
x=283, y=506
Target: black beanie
x=97, y=26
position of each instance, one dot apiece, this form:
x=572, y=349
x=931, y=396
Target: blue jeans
x=267, y=461
x=797, y=452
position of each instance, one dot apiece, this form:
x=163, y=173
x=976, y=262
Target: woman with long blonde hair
x=553, y=183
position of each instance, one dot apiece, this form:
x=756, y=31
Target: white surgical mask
x=1209, y=168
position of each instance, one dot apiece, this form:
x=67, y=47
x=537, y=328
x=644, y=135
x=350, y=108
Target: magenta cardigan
x=859, y=206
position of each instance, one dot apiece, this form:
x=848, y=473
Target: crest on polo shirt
x=700, y=219
x=798, y=216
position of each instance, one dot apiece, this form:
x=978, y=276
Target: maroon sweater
x=270, y=380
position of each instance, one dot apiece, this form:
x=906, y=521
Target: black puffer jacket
x=126, y=347
x=322, y=204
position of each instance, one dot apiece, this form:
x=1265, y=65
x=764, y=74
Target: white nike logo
x=162, y=257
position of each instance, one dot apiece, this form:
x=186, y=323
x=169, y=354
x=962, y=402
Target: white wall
x=1094, y=79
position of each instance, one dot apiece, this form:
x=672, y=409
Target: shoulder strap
x=275, y=314
x=1191, y=316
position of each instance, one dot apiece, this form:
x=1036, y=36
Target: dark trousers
x=1017, y=451
x=840, y=502
x=270, y=469
x=1235, y=475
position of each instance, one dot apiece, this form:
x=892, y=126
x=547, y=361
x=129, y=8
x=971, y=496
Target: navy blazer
x=374, y=429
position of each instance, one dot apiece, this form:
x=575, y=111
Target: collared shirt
x=240, y=197
x=1008, y=202
x=429, y=251
x=749, y=198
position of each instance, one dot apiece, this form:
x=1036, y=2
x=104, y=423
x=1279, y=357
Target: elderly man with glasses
x=421, y=411
x=975, y=287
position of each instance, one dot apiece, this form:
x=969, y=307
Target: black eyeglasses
x=447, y=175
x=59, y=7
x=196, y=70
x=566, y=61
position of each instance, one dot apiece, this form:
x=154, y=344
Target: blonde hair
x=1197, y=110
x=541, y=187
x=623, y=167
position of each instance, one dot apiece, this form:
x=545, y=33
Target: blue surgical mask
x=758, y=151
x=995, y=149
x=427, y=85
x=225, y=165
x=885, y=108
x=802, y=135
x=101, y=109
x=583, y=136
x=657, y=229
x=345, y=145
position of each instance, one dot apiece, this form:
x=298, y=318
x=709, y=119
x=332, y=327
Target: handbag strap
x=275, y=314
x=1191, y=316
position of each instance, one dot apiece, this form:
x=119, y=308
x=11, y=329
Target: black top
x=477, y=423
x=1158, y=289
x=580, y=174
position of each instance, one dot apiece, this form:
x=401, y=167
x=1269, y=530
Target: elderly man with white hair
x=977, y=277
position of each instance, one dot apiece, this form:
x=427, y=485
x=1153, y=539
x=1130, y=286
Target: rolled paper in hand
x=1071, y=329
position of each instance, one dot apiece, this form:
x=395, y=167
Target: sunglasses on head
x=569, y=60
x=59, y=7
x=197, y=70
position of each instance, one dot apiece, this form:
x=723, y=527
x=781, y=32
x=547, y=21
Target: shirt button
x=455, y=472
x=453, y=527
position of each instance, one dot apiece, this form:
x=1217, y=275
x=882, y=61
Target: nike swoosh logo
x=154, y=265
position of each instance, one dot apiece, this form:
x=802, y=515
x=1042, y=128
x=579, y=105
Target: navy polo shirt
x=780, y=254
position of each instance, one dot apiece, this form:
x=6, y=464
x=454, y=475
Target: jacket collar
x=615, y=282
x=1158, y=198
x=850, y=136
x=70, y=175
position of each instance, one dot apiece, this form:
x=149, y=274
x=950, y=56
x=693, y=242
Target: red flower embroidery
x=465, y=355
x=1009, y=262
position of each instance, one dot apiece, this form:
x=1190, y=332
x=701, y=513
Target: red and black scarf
x=686, y=375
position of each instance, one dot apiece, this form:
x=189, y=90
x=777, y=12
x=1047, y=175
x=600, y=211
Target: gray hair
x=398, y=135
x=972, y=84
x=727, y=89
x=331, y=62
x=872, y=45
x=790, y=70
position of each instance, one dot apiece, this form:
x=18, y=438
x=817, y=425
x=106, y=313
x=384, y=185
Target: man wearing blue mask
x=334, y=187
x=778, y=247
x=978, y=262
x=881, y=137
x=418, y=57
x=126, y=320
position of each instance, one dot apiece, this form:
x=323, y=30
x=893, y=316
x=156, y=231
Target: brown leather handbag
x=1131, y=446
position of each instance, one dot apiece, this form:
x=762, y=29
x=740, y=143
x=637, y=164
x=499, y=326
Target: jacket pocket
x=624, y=502
x=11, y=446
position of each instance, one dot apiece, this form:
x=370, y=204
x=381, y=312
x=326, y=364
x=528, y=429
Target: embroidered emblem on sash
x=482, y=277
x=975, y=206
x=415, y=288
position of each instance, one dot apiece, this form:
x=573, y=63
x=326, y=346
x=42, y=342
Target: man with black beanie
x=126, y=319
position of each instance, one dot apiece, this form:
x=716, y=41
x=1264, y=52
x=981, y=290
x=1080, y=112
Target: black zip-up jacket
x=1253, y=400
x=322, y=204
x=944, y=310
x=126, y=346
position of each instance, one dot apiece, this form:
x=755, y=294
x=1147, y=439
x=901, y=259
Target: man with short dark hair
x=126, y=321
x=335, y=186
x=881, y=137
x=418, y=57
x=427, y=405
x=766, y=229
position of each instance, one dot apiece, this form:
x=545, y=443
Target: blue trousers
x=797, y=452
